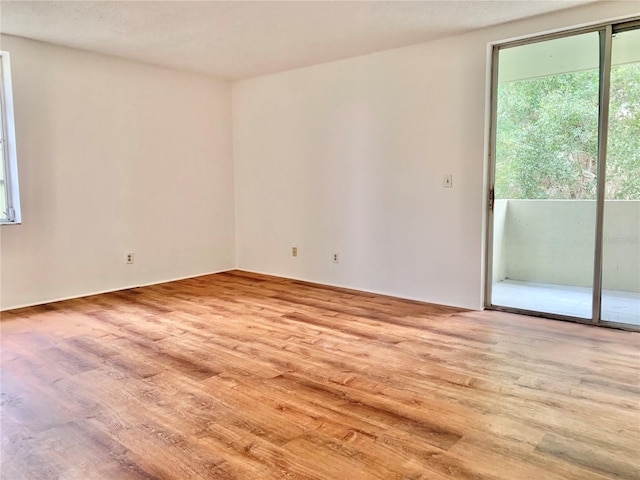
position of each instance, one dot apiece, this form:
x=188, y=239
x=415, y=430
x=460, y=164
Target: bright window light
x=9, y=192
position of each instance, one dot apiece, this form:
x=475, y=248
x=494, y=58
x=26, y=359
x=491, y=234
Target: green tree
x=547, y=136
x=623, y=146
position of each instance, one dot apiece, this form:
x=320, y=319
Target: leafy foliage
x=547, y=136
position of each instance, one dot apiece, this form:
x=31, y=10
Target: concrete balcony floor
x=617, y=306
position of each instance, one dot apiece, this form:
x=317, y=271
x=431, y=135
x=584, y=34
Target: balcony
x=543, y=257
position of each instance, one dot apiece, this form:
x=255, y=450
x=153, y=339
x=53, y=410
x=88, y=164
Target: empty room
x=320, y=240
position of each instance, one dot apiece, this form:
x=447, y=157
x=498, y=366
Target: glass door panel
x=621, y=234
x=546, y=144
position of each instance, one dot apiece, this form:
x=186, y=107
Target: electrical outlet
x=336, y=258
x=294, y=251
x=447, y=181
x=129, y=258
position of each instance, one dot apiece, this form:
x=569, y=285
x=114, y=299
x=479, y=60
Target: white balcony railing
x=552, y=241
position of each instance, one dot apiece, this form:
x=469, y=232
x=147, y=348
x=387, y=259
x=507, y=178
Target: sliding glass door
x=564, y=202
x=621, y=243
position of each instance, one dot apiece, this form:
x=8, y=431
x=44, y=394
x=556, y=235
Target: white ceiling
x=240, y=39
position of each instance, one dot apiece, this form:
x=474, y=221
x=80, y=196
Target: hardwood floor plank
x=591, y=457
x=246, y=376
x=508, y=458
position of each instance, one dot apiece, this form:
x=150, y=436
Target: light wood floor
x=241, y=376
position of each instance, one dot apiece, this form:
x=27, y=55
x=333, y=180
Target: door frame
x=606, y=31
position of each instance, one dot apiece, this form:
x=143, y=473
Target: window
x=564, y=187
x=9, y=193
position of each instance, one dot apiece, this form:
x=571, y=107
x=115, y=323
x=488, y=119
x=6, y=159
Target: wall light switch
x=294, y=251
x=447, y=181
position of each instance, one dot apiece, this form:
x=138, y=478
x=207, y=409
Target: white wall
x=500, y=210
x=552, y=241
x=349, y=156
x=114, y=157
